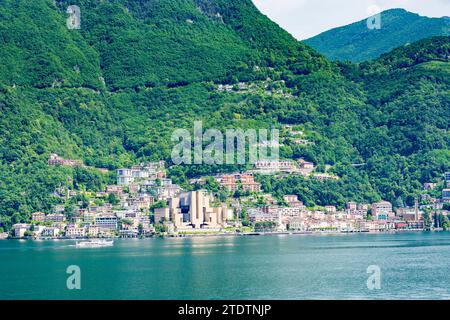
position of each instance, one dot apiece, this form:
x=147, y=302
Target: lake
x=412, y=266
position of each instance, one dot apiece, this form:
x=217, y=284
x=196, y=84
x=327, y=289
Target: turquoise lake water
x=413, y=266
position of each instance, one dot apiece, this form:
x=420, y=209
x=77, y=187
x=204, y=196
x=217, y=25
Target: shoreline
x=249, y=234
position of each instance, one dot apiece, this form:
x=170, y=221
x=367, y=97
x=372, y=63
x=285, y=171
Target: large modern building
x=192, y=211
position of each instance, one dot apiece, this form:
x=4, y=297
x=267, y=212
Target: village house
x=89, y=217
x=330, y=209
x=37, y=230
x=409, y=214
x=55, y=217
x=301, y=142
x=382, y=210
x=50, y=232
x=55, y=160
x=114, y=189
x=357, y=209
x=259, y=215
x=324, y=176
x=246, y=181
x=447, y=176
x=306, y=166
x=92, y=231
x=19, y=229
x=429, y=186
x=291, y=211
x=292, y=201
x=351, y=206
x=296, y=224
x=446, y=195
x=38, y=217
x=72, y=231
x=271, y=166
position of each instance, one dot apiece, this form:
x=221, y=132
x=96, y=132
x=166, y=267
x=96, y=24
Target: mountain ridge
x=356, y=42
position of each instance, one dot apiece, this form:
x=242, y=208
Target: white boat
x=95, y=244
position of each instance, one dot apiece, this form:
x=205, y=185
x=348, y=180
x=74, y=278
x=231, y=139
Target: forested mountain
x=112, y=93
x=356, y=42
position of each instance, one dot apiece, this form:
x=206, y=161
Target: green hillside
x=356, y=42
x=112, y=93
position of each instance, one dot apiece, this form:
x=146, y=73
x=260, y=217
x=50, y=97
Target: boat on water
x=95, y=244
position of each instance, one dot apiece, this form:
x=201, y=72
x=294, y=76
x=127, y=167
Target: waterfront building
x=382, y=210
x=72, y=231
x=37, y=230
x=19, y=229
x=50, y=232
x=192, y=210
x=93, y=231
x=416, y=225
x=296, y=224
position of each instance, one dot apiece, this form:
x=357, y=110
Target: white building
x=20, y=229
x=106, y=222
x=124, y=177
x=446, y=194
x=382, y=210
x=73, y=231
x=447, y=176
x=37, y=230
x=51, y=232
x=268, y=166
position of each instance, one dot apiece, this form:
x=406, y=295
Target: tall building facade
x=192, y=211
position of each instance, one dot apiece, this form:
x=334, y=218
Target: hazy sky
x=307, y=18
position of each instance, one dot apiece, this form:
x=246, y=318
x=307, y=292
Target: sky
x=307, y=18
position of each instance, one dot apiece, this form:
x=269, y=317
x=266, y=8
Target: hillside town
x=144, y=202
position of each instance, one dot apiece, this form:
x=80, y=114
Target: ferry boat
x=95, y=244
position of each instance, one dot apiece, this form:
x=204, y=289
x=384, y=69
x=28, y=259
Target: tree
x=113, y=199
x=445, y=223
